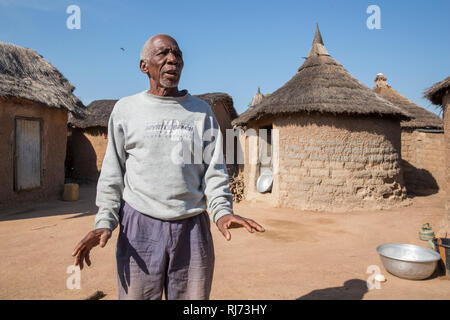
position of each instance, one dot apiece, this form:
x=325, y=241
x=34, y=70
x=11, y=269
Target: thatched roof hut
x=422, y=136
x=436, y=93
x=439, y=94
x=35, y=99
x=26, y=74
x=321, y=85
x=97, y=114
x=328, y=141
x=421, y=118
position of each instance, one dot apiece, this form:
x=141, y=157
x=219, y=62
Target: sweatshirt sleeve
x=111, y=181
x=215, y=182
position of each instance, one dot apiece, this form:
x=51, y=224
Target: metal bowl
x=264, y=182
x=408, y=261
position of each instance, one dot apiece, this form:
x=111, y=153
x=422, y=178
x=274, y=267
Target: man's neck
x=165, y=92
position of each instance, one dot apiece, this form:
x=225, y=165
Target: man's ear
x=143, y=66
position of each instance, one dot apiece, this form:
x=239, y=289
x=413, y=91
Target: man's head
x=162, y=61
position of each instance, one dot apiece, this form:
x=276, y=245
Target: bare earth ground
x=302, y=254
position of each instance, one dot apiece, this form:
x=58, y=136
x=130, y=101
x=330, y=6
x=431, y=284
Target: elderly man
x=164, y=241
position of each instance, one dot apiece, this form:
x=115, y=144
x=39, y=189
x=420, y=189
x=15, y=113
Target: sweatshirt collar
x=168, y=100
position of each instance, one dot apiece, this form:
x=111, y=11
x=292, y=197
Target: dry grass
x=322, y=85
x=27, y=75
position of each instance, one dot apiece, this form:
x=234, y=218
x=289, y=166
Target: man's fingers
x=80, y=260
x=242, y=222
x=224, y=231
x=78, y=248
x=83, y=257
x=88, y=259
x=77, y=259
x=255, y=225
x=104, y=238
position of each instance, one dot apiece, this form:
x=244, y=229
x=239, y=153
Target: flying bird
x=122, y=49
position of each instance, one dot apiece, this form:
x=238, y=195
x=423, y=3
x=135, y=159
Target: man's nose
x=172, y=58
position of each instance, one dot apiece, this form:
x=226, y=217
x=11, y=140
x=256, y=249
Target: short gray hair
x=145, y=52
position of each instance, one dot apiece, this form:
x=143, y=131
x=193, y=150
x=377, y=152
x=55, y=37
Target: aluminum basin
x=408, y=261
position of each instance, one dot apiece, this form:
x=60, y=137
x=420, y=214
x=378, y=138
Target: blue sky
x=234, y=46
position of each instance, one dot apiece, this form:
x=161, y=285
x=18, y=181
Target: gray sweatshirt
x=148, y=161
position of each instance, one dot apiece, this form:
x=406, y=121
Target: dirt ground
x=302, y=254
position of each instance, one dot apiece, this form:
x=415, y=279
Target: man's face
x=165, y=62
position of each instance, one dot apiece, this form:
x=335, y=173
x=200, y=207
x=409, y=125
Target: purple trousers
x=153, y=256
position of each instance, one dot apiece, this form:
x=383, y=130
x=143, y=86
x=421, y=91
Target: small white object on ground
x=380, y=278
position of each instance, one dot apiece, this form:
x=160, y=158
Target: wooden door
x=27, y=155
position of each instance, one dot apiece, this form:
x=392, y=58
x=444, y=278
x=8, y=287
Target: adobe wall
x=423, y=154
x=54, y=122
x=333, y=163
x=88, y=148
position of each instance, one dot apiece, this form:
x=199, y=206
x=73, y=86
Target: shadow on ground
x=85, y=206
x=353, y=289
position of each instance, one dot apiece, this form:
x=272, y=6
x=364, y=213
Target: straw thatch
x=321, y=85
x=98, y=111
x=27, y=75
x=421, y=118
x=436, y=93
x=213, y=98
x=257, y=98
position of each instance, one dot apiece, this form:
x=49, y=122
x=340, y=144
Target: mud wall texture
x=53, y=151
x=87, y=151
x=334, y=163
x=423, y=155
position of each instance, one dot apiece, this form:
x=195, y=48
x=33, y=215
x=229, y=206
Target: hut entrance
x=27, y=157
x=265, y=180
x=265, y=149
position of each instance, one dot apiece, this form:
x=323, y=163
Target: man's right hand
x=92, y=239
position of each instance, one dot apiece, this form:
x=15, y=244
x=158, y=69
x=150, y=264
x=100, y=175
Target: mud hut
x=422, y=150
x=34, y=101
x=334, y=146
x=87, y=138
x=439, y=94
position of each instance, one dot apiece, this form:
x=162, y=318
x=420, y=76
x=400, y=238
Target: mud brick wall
x=423, y=154
x=88, y=148
x=339, y=163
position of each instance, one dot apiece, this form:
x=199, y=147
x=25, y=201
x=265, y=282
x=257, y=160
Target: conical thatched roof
x=321, y=85
x=97, y=115
x=27, y=75
x=421, y=118
x=257, y=98
x=98, y=111
x=437, y=91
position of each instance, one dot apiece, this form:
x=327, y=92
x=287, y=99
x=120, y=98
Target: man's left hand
x=229, y=221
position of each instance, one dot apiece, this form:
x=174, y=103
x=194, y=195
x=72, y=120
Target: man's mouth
x=171, y=72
